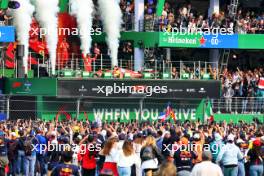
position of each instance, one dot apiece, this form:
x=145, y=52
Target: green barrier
x=10, y=73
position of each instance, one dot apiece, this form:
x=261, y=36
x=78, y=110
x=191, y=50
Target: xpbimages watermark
x=203, y=31
x=82, y=149
x=127, y=89
x=172, y=148
x=64, y=31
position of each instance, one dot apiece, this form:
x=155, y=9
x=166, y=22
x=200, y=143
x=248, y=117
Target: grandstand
x=193, y=54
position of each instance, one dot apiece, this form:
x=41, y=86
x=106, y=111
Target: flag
x=168, y=110
x=261, y=83
x=172, y=115
x=162, y=116
x=209, y=114
x=200, y=110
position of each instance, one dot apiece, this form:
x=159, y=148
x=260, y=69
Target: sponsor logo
x=16, y=85
x=82, y=89
x=190, y=90
x=136, y=89
x=27, y=86
x=202, y=90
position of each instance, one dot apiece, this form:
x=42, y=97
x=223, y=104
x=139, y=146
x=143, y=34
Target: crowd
x=243, y=86
x=186, y=17
x=148, y=148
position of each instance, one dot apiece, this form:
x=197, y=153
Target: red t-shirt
x=88, y=158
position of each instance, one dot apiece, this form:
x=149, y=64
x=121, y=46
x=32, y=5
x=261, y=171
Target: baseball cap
x=218, y=137
x=196, y=136
x=257, y=143
x=240, y=141
x=230, y=137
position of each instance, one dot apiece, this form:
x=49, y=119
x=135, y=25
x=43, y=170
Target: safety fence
x=120, y=109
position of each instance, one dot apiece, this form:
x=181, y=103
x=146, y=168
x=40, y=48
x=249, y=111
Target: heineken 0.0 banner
x=203, y=40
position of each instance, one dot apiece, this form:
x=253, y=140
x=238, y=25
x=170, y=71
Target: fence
x=26, y=107
x=158, y=68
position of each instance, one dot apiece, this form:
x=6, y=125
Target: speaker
x=20, y=51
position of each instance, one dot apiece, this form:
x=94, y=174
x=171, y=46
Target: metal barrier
x=239, y=105
x=160, y=67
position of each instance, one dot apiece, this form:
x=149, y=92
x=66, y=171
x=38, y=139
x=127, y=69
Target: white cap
x=166, y=132
x=80, y=137
x=218, y=137
x=13, y=134
x=240, y=141
x=103, y=133
x=53, y=133
x=230, y=137
x=196, y=136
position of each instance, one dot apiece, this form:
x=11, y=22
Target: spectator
x=150, y=156
x=167, y=169
x=126, y=159
x=256, y=159
x=206, y=167
x=183, y=159
x=229, y=157
x=87, y=157
x=175, y=73
x=66, y=168
x=111, y=155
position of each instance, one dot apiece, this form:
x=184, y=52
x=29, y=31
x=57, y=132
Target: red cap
x=257, y=143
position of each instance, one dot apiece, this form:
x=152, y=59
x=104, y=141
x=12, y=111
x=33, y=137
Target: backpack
x=28, y=146
x=147, y=153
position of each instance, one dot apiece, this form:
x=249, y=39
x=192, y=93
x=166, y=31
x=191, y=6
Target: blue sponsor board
x=219, y=41
x=7, y=34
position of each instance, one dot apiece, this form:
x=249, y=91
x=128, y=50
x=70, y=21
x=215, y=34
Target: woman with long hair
x=150, y=156
x=110, y=151
x=127, y=158
x=167, y=169
x=255, y=159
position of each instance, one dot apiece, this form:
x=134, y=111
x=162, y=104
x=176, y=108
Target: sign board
x=139, y=88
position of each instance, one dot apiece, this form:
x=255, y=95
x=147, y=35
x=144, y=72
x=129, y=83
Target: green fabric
x=160, y=6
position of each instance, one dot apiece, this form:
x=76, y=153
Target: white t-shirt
x=127, y=161
x=206, y=168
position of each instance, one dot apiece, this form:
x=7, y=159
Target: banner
x=231, y=41
x=31, y=86
x=139, y=88
x=116, y=109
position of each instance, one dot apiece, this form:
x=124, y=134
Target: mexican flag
x=208, y=114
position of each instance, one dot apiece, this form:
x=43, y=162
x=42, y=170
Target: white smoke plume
x=47, y=11
x=112, y=19
x=83, y=11
x=22, y=20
